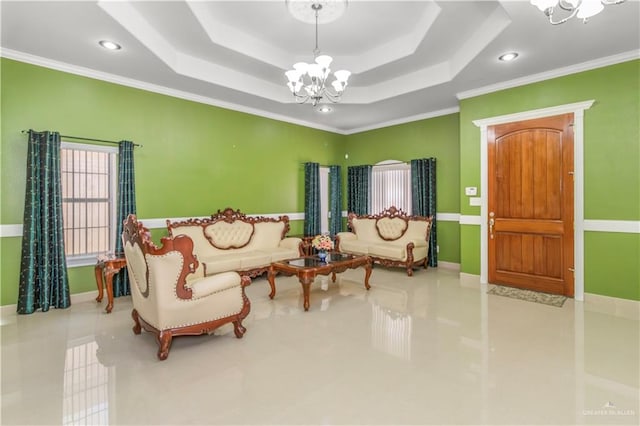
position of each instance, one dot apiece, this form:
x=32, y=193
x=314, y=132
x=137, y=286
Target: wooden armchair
x=168, y=299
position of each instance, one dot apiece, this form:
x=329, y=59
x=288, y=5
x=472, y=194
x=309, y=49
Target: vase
x=322, y=254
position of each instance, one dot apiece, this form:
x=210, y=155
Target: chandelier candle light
x=307, y=82
x=583, y=9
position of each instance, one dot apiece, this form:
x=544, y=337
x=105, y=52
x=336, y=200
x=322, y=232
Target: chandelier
x=583, y=9
x=307, y=82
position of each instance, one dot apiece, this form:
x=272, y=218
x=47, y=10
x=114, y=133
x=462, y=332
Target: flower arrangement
x=322, y=242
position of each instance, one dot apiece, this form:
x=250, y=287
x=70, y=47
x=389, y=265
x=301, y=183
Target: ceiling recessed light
x=325, y=109
x=110, y=45
x=506, y=57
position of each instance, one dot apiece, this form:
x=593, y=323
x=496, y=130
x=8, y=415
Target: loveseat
x=232, y=241
x=390, y=238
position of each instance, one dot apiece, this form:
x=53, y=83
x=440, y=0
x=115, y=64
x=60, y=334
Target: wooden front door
x=531, y=204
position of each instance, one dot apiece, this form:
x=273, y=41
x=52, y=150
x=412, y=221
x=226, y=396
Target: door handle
x=491, y=223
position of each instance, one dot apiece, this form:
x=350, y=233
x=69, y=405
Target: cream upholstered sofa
x=390, y=238
x=232, y=241
x=165, y=301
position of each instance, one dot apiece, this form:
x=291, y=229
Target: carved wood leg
x=367, y=274
x=410, y=270
x=164, y=339
x=306, y=281
x=271, y=275
x=333, y=277
x=238, y=329
x=108, y=275
x=98, y=273
x=137, y=329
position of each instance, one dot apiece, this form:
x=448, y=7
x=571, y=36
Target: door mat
x=528, y=295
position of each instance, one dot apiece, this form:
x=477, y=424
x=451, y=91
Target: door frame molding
x=577, y=109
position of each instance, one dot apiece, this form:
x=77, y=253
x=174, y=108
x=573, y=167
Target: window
x=88, y=201
x=391, y=186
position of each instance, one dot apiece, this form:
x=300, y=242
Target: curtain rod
x=87, y=139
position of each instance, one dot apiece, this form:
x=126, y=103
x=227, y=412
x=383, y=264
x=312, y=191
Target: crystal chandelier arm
x=549, y=13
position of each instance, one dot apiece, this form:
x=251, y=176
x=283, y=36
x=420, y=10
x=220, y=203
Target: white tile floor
x=431, y=349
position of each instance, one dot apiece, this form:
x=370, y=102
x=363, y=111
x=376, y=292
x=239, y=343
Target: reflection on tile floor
x=429, y=349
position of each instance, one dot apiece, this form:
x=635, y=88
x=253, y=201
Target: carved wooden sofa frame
x=134, y=233
x=396, y=214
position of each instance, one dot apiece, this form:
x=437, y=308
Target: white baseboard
x=625, y=308
x=448, y=265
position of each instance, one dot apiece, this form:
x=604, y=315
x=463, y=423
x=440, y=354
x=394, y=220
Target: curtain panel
x=44, y=280
x=358, y=188
x=312, y=225
x=335, y=199
x=126, y=205
x=423, y=199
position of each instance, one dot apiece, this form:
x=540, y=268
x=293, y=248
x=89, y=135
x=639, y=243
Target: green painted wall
x=435, y=137
x=611, y=163
x=196, y=158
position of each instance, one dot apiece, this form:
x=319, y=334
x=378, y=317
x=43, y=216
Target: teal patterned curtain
x=44, y=282
x=126, y=206
x=358, y=184
x=311, y=199
x=335, y=199
x=423, y=199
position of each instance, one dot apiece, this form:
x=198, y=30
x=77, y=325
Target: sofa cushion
x=355, y=246
x=267, y=235
x=254, y=259
x=365, y=229
x=282, y=253
x=221, y=263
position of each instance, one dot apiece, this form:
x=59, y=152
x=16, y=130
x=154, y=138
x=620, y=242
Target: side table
x=105, y=269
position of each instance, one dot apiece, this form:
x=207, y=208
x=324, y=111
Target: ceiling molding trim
x=131, y=20
x=394, y=50
x=137, y=84
x=404, y=120
x=490, y=29
x=559, y=72
x=407, y=83
x=229, y=37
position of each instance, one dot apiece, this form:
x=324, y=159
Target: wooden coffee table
x=308, y=267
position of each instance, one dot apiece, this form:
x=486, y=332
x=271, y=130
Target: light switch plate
x=471, y=191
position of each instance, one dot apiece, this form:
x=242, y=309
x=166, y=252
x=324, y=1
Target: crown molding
x=404, y=120
x=547, y=75
x=149, y=87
